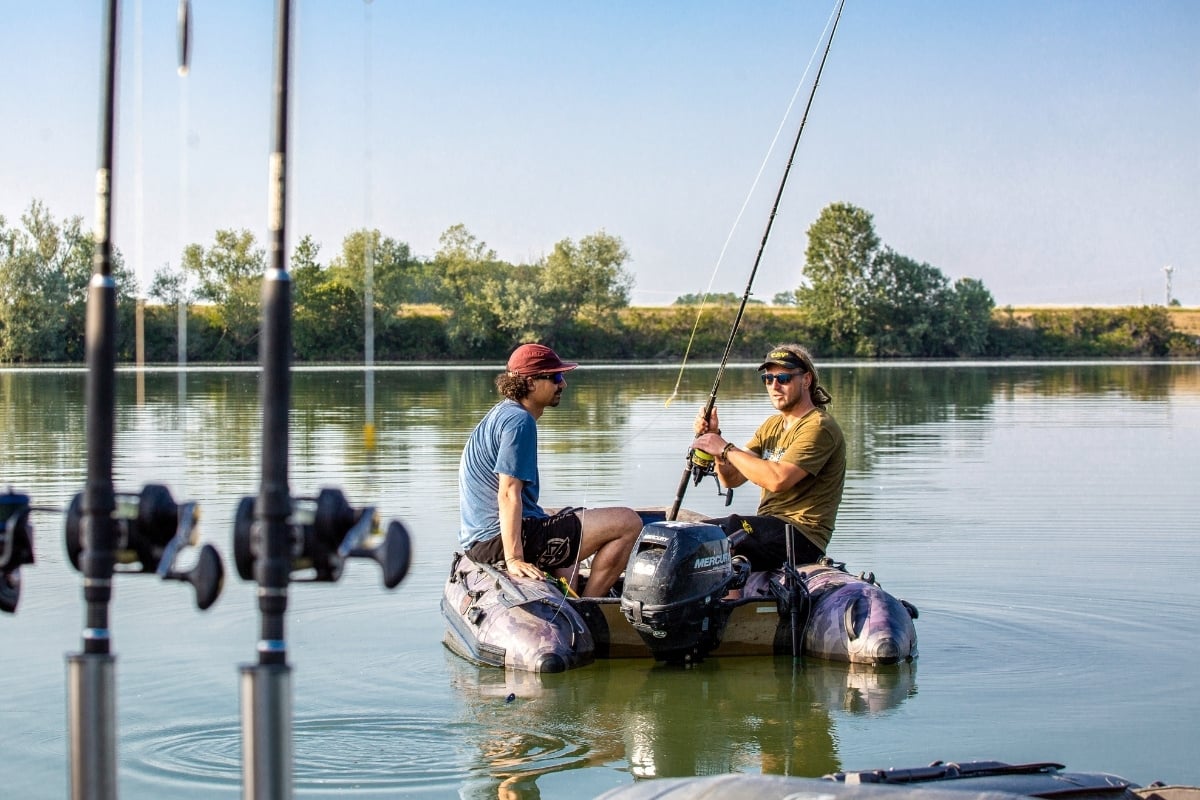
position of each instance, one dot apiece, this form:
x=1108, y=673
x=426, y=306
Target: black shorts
x=549, y=542
x=763, y=541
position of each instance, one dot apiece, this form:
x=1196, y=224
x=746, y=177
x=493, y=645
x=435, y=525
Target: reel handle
x=394, y=553
x=207, y=576
x=16, y=547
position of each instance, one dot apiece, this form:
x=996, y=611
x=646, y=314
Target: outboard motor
x=676, y=577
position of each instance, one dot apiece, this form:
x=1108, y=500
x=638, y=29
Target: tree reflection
x=722, y=716
x=209, y=414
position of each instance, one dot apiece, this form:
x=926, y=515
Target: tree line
x=856, y=298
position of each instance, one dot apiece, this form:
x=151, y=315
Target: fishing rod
x=278, y=538
x=266, y=685
x=699, y=464
x=183, y=37
x=183, y=43
x=109, y=532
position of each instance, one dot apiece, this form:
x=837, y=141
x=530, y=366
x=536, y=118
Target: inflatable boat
x=683, y=597
x=970, y=780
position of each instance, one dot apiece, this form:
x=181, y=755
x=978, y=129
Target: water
x=1042, y=517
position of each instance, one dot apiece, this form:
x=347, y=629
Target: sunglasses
x=783, y=378
x=556, y=377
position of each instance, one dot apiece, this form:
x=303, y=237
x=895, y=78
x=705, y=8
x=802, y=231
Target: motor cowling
x=676, y=576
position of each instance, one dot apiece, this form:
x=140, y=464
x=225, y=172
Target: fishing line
x=183, y=44
x=570, y=580
x=369, y=255
x=652, y=423
x=139, y=205
x=574, y=569
x=831, y=20
x=696, y=467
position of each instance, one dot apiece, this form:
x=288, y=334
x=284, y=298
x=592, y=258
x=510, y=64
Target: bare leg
x=608, y=536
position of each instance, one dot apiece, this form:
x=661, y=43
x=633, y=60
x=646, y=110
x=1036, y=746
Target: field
x=1186, y=319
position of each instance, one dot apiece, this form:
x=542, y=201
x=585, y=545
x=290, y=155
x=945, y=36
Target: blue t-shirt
x=503, y=443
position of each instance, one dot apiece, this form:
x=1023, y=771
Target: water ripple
x=337, y=753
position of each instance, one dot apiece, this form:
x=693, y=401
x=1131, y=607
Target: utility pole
x=1168, y=269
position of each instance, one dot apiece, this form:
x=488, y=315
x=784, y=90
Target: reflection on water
x=730, y=715
x=1041, y=516
x=215, y=412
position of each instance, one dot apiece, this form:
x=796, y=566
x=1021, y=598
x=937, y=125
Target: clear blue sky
x=1049, y=149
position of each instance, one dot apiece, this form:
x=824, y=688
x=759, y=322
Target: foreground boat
x=682, y=598
x=972, y=780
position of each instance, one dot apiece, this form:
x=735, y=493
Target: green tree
x=169, y=286
x=589, y=277
x=45, y=270
x=470, y=277
x=229, y=274
x=842, y=245
x=516, y=297
x=906, y=309
x=305, y=265
x=329, y=325
x=971, y=314
x=721, y=299
x=494, y=304
x=394, y=273
x=306, y=271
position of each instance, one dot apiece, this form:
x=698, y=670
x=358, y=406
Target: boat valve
x=16, y=547
x=325, y=531
x=153, y=533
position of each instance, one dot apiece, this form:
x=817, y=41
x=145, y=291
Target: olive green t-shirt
x=815, y=444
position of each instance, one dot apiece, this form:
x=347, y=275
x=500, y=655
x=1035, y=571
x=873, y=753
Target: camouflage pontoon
x=499, y=620
x=682, y=599
x=967, y=780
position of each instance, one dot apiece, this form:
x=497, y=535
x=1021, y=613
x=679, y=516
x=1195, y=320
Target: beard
x=554, y=401
x=785, y=403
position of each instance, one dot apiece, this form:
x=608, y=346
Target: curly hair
x=514, y=387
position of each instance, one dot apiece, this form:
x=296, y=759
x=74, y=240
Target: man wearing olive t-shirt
x=797, y=457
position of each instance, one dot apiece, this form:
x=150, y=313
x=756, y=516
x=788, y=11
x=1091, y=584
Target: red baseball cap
x=537, y=359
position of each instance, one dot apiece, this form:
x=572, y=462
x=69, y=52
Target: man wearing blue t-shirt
x=498, y=487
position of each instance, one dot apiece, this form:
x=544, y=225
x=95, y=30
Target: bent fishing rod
x=698, y=463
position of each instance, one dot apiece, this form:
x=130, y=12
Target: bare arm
x=508, y=497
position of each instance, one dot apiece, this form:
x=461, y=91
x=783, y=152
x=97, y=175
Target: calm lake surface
x=1042, y=517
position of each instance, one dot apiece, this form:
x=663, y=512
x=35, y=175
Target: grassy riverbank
x=663, y=333
x=659, y=334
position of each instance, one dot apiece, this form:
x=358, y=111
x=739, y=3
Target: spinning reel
x=16, y=547
x=151, y=533
x=701, y=465
x=324, y=532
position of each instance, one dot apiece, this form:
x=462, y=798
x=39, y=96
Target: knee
x=631, y=523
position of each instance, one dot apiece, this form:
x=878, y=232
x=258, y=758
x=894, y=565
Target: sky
x=1048, y=148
